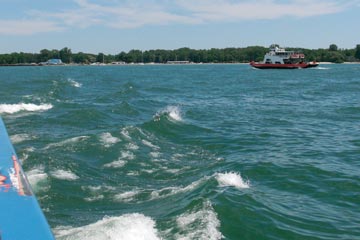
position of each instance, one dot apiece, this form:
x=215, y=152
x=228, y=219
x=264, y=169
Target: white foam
x=232, y=179
x=127, y=155
x=24, y=157
x=322, y=68
x=94, y=198
x=67, y=141
x=115, y=164
x=74, y=83
x=37, y=176
x=18, y=138
x=126, y=196
x=165, y=192
x=155, y=154
x=125, y=133
x=64, y=175
x=173, y=112
x=14, y=108
x=202, y=224
x=149, y=144
x=133, y=173
x=132, y=146
x=133, y=226
x=96, y=189
x=108, y=140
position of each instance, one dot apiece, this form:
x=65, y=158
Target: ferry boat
x=279, y=58
x=21, y=216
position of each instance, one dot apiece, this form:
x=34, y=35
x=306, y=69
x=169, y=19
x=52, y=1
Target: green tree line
x=213, y=55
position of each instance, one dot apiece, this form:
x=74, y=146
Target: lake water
x=189, y=151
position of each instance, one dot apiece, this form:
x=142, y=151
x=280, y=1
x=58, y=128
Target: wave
x=224, y=179
x=168, y=191
x=133, y=226
x=232, y=179
x=172, y=112
x=125, y=132
x=149, y=144
x=74, y=83
x=126, y=196
x=64, y=175
x=201, y=224
x=115, y=164
x=122, y=160
x=18, y=138
x=29, y=107
x=67, y=142
x=108, y=140
x=94, y=198
x=38, y=179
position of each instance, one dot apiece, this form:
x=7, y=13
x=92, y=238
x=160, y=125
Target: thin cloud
x=226, y=10
x=27, y=27
x=130, y=14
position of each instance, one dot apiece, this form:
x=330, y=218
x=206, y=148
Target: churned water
x=189, y=151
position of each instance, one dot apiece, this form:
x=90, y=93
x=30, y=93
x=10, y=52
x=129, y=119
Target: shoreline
x=138, y=64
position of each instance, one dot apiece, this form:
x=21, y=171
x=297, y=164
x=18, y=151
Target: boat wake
x=199, y=223
x=321, y=68
x=129, y=226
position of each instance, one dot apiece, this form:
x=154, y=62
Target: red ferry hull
x=282, y=66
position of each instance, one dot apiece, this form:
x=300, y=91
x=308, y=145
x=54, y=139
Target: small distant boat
x=279, y=58
x=21, y=216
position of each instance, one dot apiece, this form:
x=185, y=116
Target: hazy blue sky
x=112, y=26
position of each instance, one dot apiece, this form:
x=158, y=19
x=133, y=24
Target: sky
x=113, y=26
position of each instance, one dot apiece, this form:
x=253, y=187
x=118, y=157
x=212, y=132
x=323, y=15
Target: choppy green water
x=189, y=152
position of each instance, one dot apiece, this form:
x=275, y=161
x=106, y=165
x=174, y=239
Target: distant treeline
x=214, y=55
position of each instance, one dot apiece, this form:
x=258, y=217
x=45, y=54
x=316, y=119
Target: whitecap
x=94, y=198
x=201, y=224
x=14, y=108
x=74, y=83
x=232, y=179
x=173, y=112
x=37, y=176
x=126, y=196
x=24, y=157
x=149, y=171
x=133, y=173
x=67, y=141
x=108, y=140
x=125, y=133
x=155, y=154
x=168, y=191
x=115, y=164
x=133, y=226
x=149, y=144
x=132, y=146
x=96, y=189
x=18, y=138
x=64, y=175
x=127, y=155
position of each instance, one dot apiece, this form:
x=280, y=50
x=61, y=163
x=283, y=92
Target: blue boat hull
x=20, y=216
